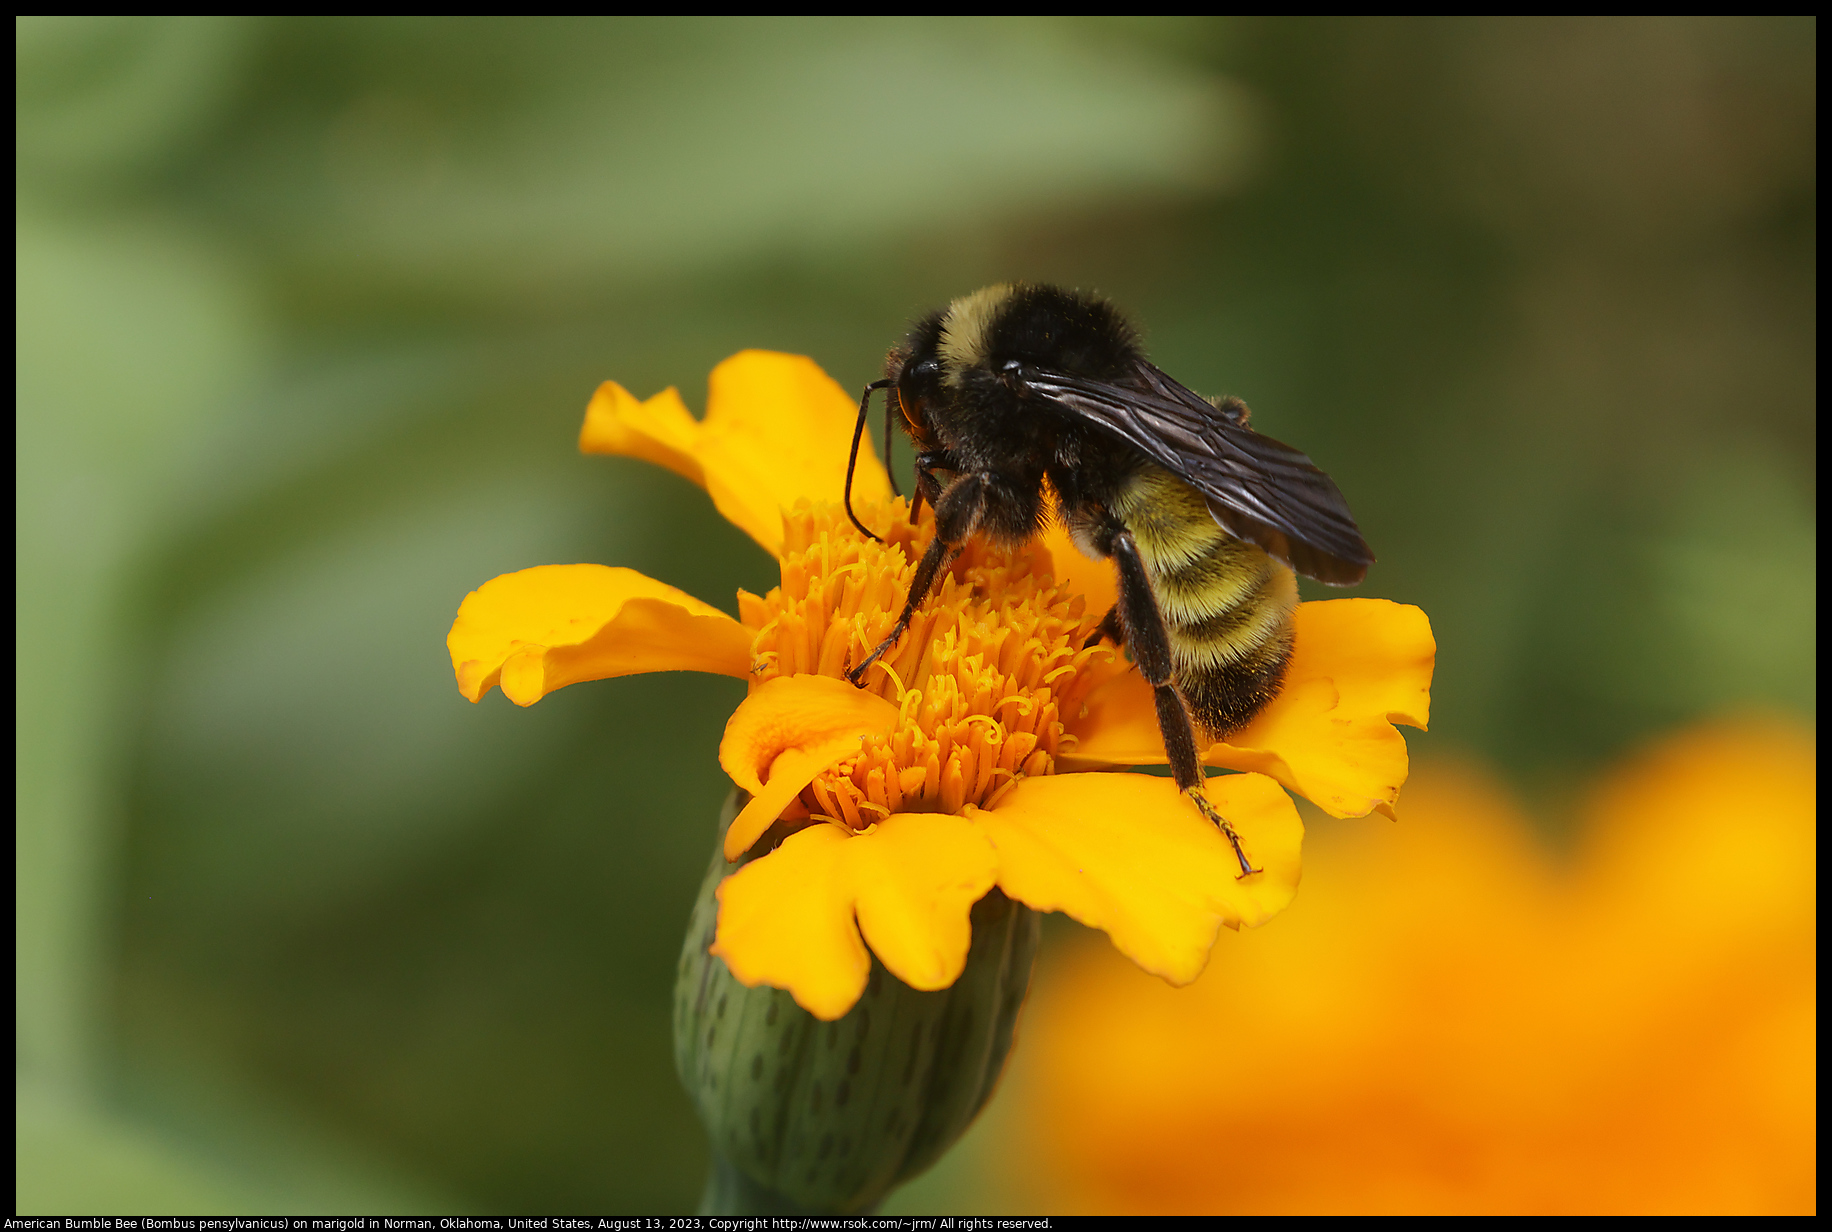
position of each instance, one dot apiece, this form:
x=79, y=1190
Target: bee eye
x=923, y=370
x=1013, y=366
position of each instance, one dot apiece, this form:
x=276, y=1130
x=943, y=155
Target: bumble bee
x=1019, y=391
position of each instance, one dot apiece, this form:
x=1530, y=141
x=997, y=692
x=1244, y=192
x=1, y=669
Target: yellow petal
x=544, y=628
x=1130, y=855
x=917, y=877
x=786, y=732
x=1358, y=666
x=777, y=430
x=660, y=430
x=1378, y=653
x=786, y=920
x=792, y=919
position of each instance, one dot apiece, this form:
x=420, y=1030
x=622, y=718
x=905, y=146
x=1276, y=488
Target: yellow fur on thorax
x=1222, y=598
x=963, y=329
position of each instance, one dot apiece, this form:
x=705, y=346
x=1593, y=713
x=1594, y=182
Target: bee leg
x=1150, y=642
x=927, y=486
x=1109, y=628
x=957, y=515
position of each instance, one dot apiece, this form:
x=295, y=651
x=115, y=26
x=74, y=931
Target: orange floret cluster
x=982, y=679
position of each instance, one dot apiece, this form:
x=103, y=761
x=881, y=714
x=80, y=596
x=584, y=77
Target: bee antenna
x=889, y=470
x=852, y=459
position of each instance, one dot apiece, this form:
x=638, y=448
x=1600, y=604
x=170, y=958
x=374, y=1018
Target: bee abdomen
x=1229, y=654
x=1226, y=604
x=1225, y=698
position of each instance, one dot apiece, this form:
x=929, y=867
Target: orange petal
x=1708, y=838
x=1130, y=855
x=1629, y=1027
x=1093, y=579
x=777, y=430
x=1358, y=666
x=544, y=628
x=788, y=919
x=786, y=732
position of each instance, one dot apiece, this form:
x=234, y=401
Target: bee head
x=919, y=370
x=914, y=395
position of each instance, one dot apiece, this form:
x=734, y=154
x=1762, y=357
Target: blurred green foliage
x=308, y=312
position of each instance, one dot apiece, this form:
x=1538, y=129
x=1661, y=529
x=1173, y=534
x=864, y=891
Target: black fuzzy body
x=982, y=417
x=1200, y=608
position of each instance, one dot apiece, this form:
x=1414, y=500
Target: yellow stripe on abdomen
x=1227, y=605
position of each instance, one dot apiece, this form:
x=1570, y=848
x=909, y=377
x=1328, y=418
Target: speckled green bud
x=828, y=1117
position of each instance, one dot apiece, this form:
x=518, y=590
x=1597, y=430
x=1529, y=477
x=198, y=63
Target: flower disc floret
x=980, y=680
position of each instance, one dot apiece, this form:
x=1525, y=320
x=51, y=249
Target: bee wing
x=1258, y=489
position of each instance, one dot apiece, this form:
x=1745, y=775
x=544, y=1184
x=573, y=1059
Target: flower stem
x=730, y=1192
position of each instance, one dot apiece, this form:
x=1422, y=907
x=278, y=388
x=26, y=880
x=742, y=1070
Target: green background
x=308, y=314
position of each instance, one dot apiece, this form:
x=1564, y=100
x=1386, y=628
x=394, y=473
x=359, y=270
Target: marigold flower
x=971, y=758
x=893, y=843
x=1457, y=1023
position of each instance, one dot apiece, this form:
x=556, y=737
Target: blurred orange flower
x=891, y=809
x=1456, y=1023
